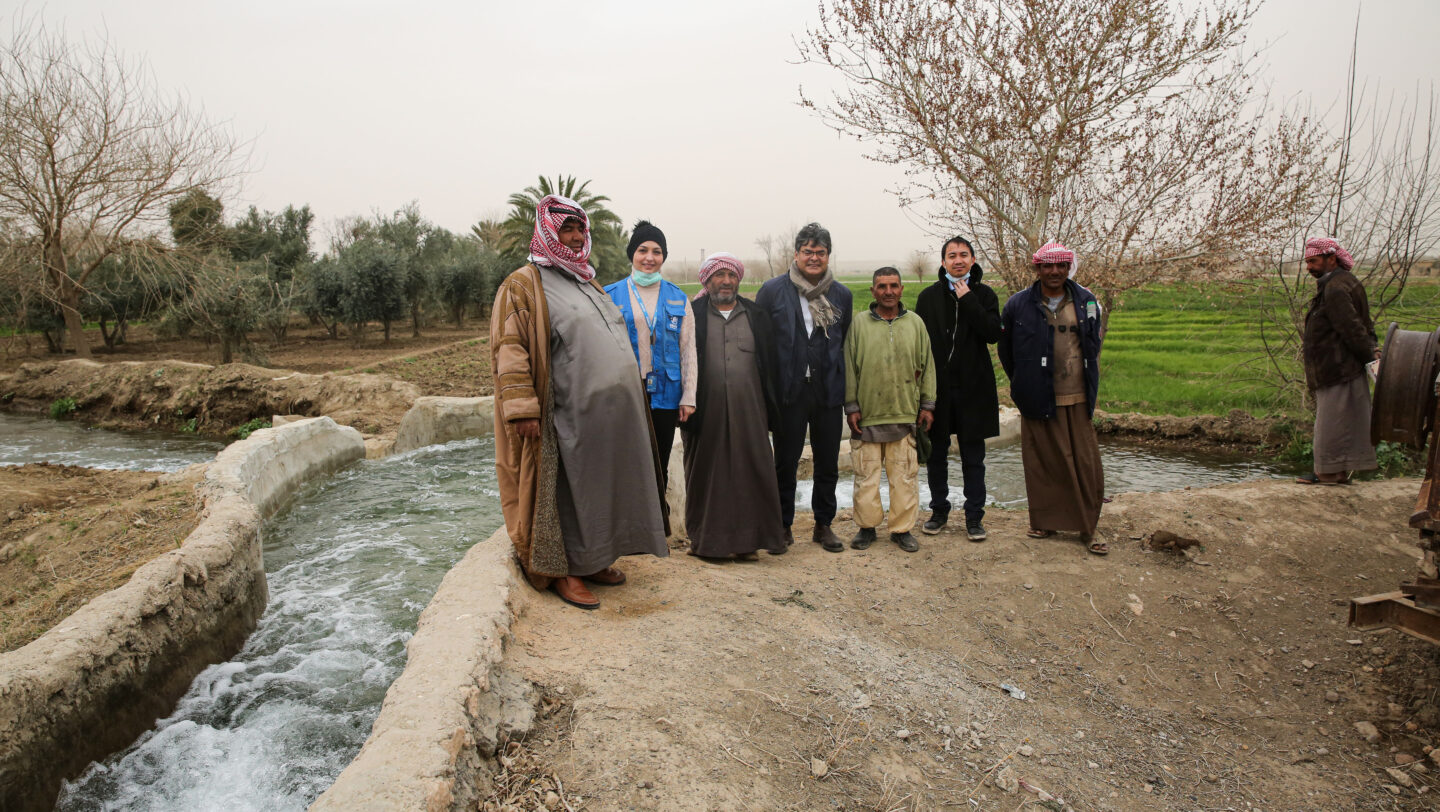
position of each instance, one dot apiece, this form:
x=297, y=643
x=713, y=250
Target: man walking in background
x=962, y=316
x=810, y=312
x=1339, y=341
x=889, y=389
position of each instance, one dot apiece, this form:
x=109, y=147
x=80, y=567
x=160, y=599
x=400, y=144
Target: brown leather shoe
x=574, y=592
x=827, y=539
x=606, y=577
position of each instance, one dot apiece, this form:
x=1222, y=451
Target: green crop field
x=1186, y=348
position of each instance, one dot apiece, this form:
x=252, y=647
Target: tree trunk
x=226, y=355
x=386, y=324
x=74, y=324
x=414, y=321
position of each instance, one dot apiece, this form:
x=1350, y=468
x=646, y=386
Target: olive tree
x=92, y=154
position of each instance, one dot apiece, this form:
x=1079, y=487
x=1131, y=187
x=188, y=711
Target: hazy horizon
x=684, y=115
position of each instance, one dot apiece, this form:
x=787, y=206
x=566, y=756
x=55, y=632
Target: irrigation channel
x=1127, y=468
x=25, y=439
x=350, y=564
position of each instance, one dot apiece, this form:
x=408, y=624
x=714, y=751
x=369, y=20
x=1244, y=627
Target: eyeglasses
x=808, y=254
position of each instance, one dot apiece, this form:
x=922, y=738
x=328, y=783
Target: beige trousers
x=901, y=467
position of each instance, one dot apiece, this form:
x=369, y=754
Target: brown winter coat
x=1339, y=335
x=526, y=468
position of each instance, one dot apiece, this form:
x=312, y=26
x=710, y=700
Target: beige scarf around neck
x=821, y=310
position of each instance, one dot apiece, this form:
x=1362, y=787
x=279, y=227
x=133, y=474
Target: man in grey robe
x=732, y=504
x=581, y=468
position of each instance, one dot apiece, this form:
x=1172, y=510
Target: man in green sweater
x=889, y=389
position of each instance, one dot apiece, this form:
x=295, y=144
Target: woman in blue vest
x=662, y=334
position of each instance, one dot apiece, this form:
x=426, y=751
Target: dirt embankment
x=68, y=534
x=1236, y=431
x=1221, y=679
x=206, y=399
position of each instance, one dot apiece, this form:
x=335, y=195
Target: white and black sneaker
x=934, y=524
x=975, y=531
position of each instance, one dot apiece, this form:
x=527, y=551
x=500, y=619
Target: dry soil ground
x=444, y=361
x=68, y=534
x=1226, y=679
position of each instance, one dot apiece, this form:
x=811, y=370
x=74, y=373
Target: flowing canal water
x=1127, y=468
x=350, y=564
x=25, y=439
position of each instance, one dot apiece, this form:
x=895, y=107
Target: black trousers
x=972, y=462
x=664, y=420
x=824, y=423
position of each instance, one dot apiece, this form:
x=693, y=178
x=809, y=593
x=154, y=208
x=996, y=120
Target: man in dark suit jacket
x=810, y=312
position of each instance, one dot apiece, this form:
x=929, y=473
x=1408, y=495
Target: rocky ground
x=1223, y=677
x=68, y=534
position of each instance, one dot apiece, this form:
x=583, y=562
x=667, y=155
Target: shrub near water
x=62, y=408
x=247, y=428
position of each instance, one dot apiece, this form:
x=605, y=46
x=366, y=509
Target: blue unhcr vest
x=665, y=338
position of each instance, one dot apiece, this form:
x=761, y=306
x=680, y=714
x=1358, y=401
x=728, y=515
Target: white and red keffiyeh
x=1055, y=252
x=1321, y=246
x=718, y=260
x=545, y=247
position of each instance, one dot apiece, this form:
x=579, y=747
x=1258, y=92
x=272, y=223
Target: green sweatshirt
x=889, y=373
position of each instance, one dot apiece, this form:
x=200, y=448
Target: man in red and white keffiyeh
x=562, y=237
x=1338, y=342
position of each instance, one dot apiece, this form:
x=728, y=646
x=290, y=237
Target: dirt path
x=871, y=680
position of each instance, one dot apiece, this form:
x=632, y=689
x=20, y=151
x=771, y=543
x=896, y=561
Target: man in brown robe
x=1339, y=341
x=732, y=504
x=574, y=452
x=1050, y=337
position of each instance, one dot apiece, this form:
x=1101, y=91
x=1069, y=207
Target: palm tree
x=606, y=229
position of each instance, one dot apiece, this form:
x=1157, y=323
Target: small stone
x=1435, y=756
x=1029, y=586
x=819, y=768
x=1401, y=759
x=1092, y=765
x=1397, y=709
x=1079, y=734
x=1307, y=663
x=1322, y=751
x=1121, y=679
x=1026, y=750
x=1377, y=651
x=1332, y=696
x=902, y=734
x=551, y=800
x=1400, y=777
x=1007, y=781
x=1391, y=788
x=1368, y=731
x=1411, y=727
x=1356, y=642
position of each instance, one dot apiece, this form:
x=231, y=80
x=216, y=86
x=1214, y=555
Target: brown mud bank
x=68, y=534
x=202, y=398
x=1236, y=431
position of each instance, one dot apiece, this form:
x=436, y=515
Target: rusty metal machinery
x=1407, y=410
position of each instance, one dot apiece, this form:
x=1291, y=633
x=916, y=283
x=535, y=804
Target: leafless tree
x=1125, y=128
x=91, y=156
x=778, y=251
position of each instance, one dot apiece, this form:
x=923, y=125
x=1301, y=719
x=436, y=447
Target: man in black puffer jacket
x=962, y=315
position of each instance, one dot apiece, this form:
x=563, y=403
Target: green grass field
x=1186, y=349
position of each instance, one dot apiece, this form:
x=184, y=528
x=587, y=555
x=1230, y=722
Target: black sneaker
x=906, y=541
x=863, y=539
x=934, y=524
x=975, y=531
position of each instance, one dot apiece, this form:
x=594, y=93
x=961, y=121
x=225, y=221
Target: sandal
x=1039, y=534
x=1095, y=546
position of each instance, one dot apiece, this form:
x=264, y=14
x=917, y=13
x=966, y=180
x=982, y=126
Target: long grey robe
x=607, y=499
x=732, y=505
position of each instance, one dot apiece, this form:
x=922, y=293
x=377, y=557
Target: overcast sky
x=682, y=113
